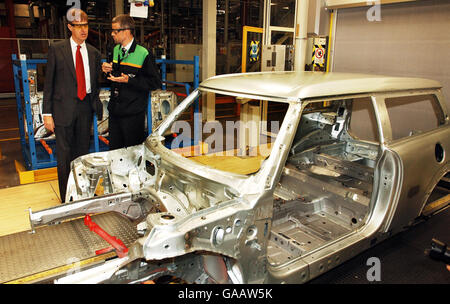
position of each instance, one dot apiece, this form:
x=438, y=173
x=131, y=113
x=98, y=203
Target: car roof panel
x=300, y=85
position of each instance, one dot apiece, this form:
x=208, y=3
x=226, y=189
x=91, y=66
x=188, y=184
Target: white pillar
x=209, y=55
x=301, y=35
x=118, y=7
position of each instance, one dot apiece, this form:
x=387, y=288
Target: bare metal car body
x=321, y=197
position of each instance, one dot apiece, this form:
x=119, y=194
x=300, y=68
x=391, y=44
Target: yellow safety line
x=61, y=269
x=330, y=35
x=31, y=176
x=436, y=203
x=10, y=129
x=10, y=139
x=244, y=43
x=244, y=50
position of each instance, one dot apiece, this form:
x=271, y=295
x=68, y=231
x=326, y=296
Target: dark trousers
x=73, y=141
x=126, y=131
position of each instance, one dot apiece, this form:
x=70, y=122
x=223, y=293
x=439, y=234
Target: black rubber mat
x=403, y=258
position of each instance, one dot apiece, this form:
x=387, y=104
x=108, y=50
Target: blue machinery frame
x=36, y=156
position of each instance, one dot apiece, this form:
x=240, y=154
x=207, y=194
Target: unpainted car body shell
x=232, y=215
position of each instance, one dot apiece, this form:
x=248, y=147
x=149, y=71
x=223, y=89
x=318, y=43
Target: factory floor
x=403, y=258
x=9, y=143
x=16, y=198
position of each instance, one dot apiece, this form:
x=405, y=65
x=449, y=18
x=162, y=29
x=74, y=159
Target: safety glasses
x=115, y=32
x=80, y=25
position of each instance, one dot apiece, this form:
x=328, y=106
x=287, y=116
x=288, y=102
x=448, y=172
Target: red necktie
x=81, y=81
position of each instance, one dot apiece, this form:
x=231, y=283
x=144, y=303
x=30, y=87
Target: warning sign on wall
x=319, y=55
x=254, y=51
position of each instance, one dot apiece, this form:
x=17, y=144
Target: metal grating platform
x=24, y=254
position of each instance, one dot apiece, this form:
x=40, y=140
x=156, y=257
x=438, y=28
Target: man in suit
x=71, y=94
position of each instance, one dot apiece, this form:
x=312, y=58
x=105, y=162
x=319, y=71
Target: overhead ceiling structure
x=335, y=4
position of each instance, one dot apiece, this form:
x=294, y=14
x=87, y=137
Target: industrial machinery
x=277, y=58
x=102, y=124
x=163, y=103
x=36, y=100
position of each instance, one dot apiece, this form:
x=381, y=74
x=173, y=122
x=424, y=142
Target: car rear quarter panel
x=421, y=172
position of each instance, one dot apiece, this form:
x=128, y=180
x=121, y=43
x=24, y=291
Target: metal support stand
x=37, y=154
x=196, y=81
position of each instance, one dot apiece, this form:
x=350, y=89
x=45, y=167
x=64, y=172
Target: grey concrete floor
x=9, y=144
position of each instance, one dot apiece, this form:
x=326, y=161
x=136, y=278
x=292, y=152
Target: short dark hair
x=125, y=21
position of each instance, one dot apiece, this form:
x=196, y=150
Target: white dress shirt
x=128, y=46
x=85, y=56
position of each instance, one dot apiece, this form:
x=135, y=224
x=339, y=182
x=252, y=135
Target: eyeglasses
x=119, y=30
x=82, y=25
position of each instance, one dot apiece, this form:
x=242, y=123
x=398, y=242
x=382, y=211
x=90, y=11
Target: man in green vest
x=133, y=74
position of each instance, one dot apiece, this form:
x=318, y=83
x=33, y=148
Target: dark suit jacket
x=60, y=86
